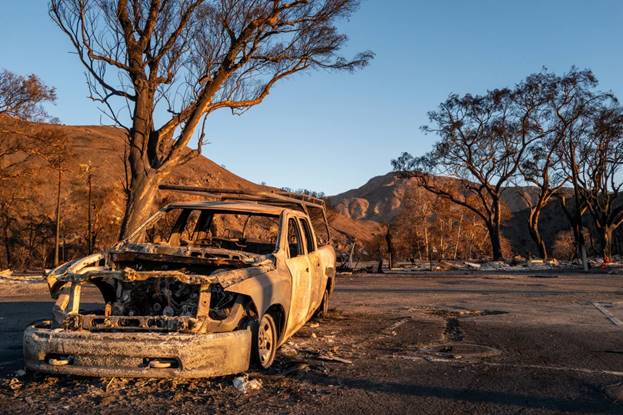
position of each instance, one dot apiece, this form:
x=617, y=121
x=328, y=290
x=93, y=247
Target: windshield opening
x=249, y=232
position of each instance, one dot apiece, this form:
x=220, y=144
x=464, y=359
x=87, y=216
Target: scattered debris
x=331, y=358
x=244, y=385
x=553, y=262
x=472, y=265
x=289, y=350
x=518, y=259
x=442, y=312
x=15, y=384
x=326, y=356
x=391, y=329
x=295, y=368
x=446, y=265
x=110, y=382
x=601, y=307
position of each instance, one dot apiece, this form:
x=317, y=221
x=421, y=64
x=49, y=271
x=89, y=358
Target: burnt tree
x=579, y=108
x=23, y=97
x=483, y=141
x=600, y=176
x=187, y=59
x=22, y=100
x=542, y=167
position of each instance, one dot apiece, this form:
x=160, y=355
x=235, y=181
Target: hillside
x=33, y=188
x=381, y=199
x=360, y=214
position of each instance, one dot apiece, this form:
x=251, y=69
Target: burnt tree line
x=39, y=229
x=558, y=134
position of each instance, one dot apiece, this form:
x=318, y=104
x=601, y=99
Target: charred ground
x=431, y=343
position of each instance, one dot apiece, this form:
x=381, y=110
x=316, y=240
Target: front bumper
x=136, y=354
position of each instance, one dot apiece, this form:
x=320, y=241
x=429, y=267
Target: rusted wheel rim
x=325, y=304
x=265, y=341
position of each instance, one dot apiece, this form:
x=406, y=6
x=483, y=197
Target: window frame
x=306, y=228
x=301, y=245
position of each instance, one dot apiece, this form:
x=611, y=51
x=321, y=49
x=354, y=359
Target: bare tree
x=21, y=100
x=54, y=148
x=23, y=97
x=429, y=227
x=188, y=58
x=542, y=170
x=483, y=141
x=578, y=107
x=599, y=176
x=542, y=166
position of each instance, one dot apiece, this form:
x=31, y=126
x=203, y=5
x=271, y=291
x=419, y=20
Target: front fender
x=266, y=289
x=77, y=267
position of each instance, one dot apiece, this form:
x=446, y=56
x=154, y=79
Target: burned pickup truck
x=202, y=288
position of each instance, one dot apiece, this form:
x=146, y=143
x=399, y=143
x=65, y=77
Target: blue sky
x=333, y=131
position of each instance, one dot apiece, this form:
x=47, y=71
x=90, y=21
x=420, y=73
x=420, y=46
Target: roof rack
x=277, y=197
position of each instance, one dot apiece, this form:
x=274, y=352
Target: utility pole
x=88, y=170
x=90, y=222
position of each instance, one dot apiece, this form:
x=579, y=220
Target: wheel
x=323, y=310
x=265, y=342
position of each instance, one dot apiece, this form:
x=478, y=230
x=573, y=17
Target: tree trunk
x=535, y=233
x=496, y=245
x=146, y=169
x=390, y=246
x=441, y=240
x=140, y=200
x=350, y=255
x=57, y=236
x=458, y=236
x=606, y=241
x=581, y=241
x=494, y=232
x=7, y=243
x=427, y=247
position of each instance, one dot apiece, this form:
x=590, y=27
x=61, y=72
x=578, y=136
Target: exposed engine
x=156, y=297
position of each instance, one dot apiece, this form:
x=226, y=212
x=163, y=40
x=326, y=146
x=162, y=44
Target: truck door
x=317, y=283
x=300, y=272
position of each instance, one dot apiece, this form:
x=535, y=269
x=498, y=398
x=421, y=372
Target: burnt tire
x=264, y=342
x=323, y=309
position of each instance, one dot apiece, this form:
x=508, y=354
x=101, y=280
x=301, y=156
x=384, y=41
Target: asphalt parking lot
x=394, y=343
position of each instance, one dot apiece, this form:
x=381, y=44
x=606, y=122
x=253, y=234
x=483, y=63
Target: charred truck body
x=201, y=289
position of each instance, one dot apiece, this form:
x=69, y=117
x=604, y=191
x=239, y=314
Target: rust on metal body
x=183, y=296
